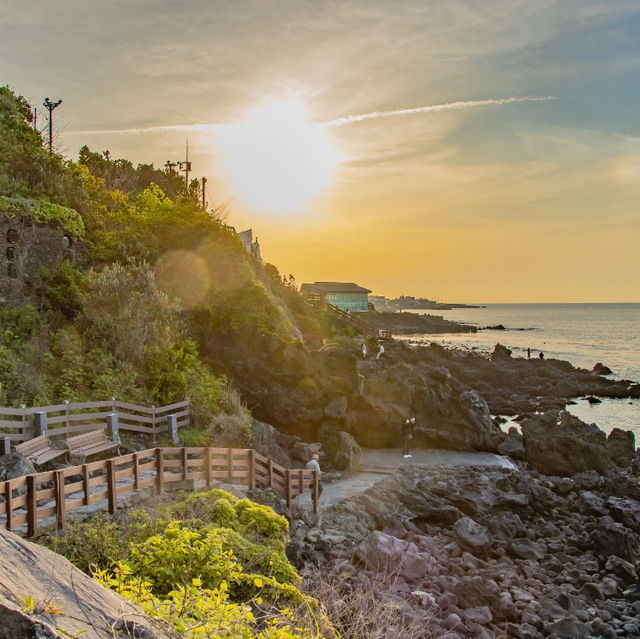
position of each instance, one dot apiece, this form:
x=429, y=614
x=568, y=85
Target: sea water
x=583, y=334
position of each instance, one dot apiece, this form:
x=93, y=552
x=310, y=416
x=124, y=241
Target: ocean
x=582, y=334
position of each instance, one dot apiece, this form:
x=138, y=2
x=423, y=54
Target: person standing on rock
x=314, y=464
x=407, y=436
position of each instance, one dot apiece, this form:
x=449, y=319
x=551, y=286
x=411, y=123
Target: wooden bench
x=90, y=443
x=39, y=450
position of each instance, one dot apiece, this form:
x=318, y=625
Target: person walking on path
x=364, y=350
x=380, y=351
x=314, y=464
x=407, y=436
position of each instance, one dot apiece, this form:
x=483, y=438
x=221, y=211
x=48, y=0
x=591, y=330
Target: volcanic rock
x=622, y=446
x=15, y=465
x=601, y=369
x=564, y=445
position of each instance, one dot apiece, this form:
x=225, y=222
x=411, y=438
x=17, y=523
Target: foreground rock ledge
x=88, y=609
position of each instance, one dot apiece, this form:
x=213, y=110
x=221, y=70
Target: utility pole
x=204, y=203
x=35, y=118
x=186, y=167
x=50, y=106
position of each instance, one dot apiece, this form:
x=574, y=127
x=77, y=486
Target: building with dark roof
x=346, y=295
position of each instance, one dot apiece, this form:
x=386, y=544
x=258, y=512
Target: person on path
x=314, y=464
x=541, y=355
x=380, y=351
x=364, y=350
x=407, y=436
x=528, y=353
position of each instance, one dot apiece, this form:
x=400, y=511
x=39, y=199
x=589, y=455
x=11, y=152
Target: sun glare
x=276, y=160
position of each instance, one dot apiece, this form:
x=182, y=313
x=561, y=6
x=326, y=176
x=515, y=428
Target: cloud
x=449, y=106
x=349, y=119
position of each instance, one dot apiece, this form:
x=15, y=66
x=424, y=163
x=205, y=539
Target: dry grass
x=362, y=606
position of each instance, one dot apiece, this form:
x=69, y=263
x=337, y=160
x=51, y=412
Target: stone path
x=380, y=462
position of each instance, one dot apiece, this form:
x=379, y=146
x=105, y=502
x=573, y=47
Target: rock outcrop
x=15, y=465
x=486, y=552
x=561, y=444
x=451, y=393
x=62, y=600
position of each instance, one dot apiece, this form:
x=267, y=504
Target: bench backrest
x=34, y=446
x=87, y=439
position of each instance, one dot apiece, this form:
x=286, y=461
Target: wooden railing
x=33, y=498
x=351, y=319
x=72, y=419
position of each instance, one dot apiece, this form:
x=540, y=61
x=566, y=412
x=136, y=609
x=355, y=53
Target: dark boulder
x=341, y=450
x=500, y=353
x=601, y=369
x=513, y=444
x=622, y=446
x=564, y=445
x=15, y=465
x=265, y=440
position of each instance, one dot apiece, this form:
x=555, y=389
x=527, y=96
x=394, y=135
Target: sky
x=458, y=150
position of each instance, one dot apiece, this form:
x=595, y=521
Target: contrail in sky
x=349, y=119
x=448, y=106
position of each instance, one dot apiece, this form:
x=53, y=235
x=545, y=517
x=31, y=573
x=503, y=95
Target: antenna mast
x=50, y=106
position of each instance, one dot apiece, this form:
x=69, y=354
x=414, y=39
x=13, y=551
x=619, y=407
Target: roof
x=333, y=287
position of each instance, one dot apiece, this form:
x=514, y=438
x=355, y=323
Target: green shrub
x=94, y=542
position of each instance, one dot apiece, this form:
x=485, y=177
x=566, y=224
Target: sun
x=276, y=160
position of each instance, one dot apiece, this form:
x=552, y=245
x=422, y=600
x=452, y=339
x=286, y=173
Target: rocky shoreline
x=486, y=552
x=408, y=323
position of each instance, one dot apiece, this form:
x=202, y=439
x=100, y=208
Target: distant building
x=380, y=302
x=250, y=245
x=346, y=295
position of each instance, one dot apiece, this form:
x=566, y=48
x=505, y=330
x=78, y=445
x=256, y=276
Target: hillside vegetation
x=161, y=276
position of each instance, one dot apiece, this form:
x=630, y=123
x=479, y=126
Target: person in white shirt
x=314, y=464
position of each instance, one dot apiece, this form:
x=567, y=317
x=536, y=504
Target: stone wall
x=26, y=247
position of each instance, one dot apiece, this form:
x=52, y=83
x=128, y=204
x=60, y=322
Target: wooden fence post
x=288, y=488
x=252, y=469
x=315, y=492
x=39, y=424
x=111, y=484
x=209, y=466
x=66, y=417
x=230, y=462
x=61, y=510
x=159, y=471
x=172, y=428
x=8, y=503
x=185, y=466
x=32, y=515
x=5, y=446
x=136, y=470
x=270, y=469
x=113, y=429
x=85, y=484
